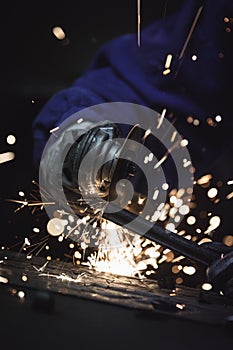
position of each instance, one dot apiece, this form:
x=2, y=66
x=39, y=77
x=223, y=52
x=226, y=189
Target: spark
x=204, y=179
x=190, y=32
x=196, y=122
x=161, y=118
x=206, y=286
x=184, y=209
x=58, y=32
x=54, y=129
x=40, y=244
x=40, y=204
x=162, y=160
x=165, y=186
x=55, y=227
x=212, y=193
x=190, y=119
x=186, y=163
x=139, y=21
x=11, y=139
x=41, y=248
x=179, y=280
x=189, y=270
x=214, y=222
x=166, y=71
x=150, y=157
x=42, y=268
x=218, y=118
x=191, y=220
x=26, y=203
x=173, y=136
x=155, y=195
x=3, y=280
x=64, y=277
x=21, y=294
x=171, y=227
x=229, y=196
x=24, y=278
x=210, y=122
x=194, y=57
x=228, y=240
x=169, y=151
x=168, y=61
x=165, y=8
x=184, y=143
x=26, y=241
x=179, y=258
x=77, y=255
x=141, y=200
x=230, y=182
x=180, y=306
x=6, y=157
x=147, y=133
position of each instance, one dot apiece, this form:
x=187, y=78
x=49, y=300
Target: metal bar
x=161, y=236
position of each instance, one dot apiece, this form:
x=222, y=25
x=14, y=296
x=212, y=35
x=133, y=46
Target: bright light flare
x=55, y=227
x=6, y=157
x=189, y=270
x=11, y=139
x=212, y=193
x=3, y=280
x=206, y=286
x=58, y=32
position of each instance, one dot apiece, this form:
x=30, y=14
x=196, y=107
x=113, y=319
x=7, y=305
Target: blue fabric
x=122, y=71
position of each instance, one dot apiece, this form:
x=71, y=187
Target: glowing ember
x=206, y=286
x=213, y=224
x=218, y=118
x=21, y=294
x=55, y=227
x=24, y=278
x=212, y=192
x=168, y=61
x=189, y=270
x=6, y=157
x=59, y=33
x=11, y=139
x=204, y=179
x=3, y=280
x=139, y=21
x=228, y=240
